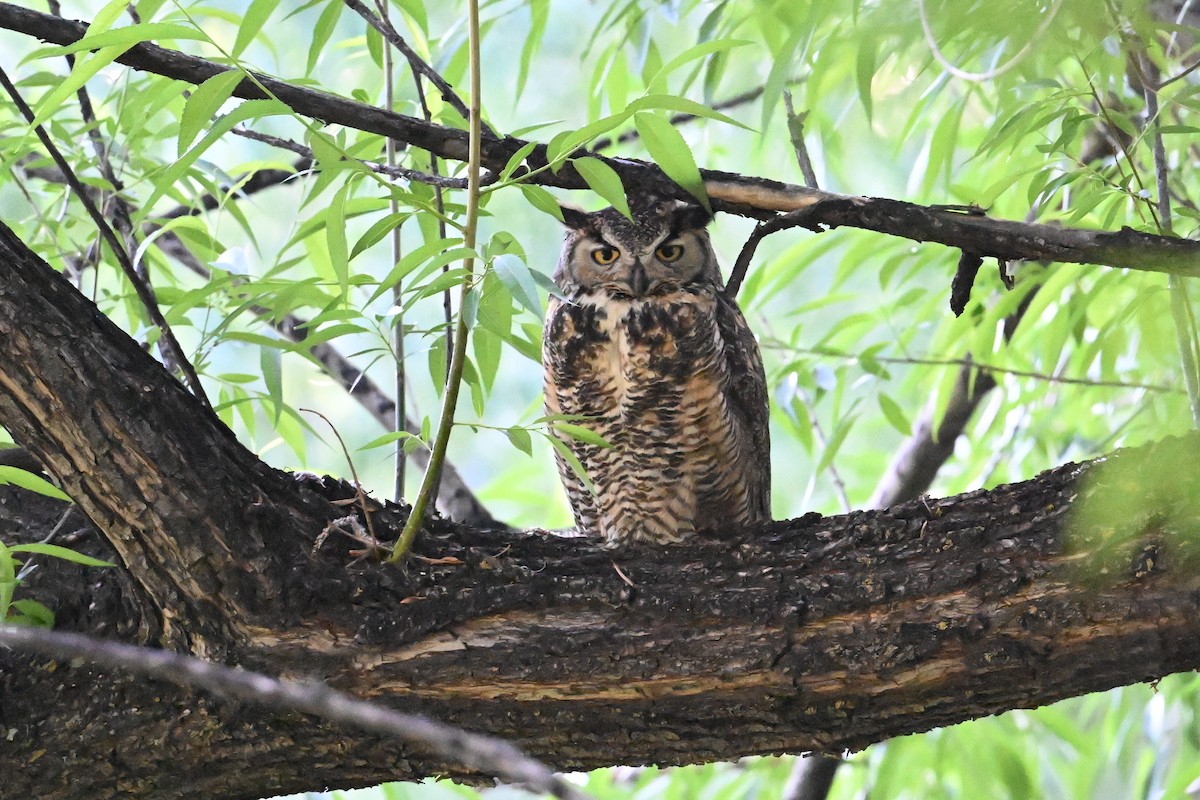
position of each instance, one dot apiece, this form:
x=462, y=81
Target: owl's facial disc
x=652, y=255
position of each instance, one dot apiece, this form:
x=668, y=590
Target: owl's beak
x=638, y=282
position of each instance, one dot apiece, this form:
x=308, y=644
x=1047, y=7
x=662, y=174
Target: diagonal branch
x=748, y=196
x=141, y=287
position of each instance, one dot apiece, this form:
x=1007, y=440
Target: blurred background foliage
x=1033, y=110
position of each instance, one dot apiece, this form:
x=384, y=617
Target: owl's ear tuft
x=576, y=218
x=690, y=217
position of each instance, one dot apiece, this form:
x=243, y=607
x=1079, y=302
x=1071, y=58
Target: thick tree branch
x=813, y=633
x=758, y=197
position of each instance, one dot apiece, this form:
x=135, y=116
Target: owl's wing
x=748, y=399
x=561, y=385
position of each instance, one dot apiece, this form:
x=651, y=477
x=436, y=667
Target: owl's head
x=664, y=248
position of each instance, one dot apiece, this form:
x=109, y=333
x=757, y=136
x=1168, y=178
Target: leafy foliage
x=854, y=326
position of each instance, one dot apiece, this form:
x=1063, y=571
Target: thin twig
x=144, y=292
x=795, y=123
x=439, y=198
x=458, y=358
x=995, y=72
x=1188, y=70
x=801, y=218
x=1112, y=126
x=374, y=166
x=974, y=365
x=419, y=67
x=358, y=488
x=384, y=25
x=400, y=457
x=1181, y=307
x=121, y=211
x=823, y=441
x=492, y=756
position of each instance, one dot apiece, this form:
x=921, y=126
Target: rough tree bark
x=817, y=633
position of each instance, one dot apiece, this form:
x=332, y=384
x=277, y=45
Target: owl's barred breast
x=650, y=376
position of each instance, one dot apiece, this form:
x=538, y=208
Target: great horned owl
x=646, y=347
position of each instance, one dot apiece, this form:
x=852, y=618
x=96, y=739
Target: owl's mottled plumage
x=661, y=364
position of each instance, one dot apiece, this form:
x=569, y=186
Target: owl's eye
x=605, y=255
x=669, y=252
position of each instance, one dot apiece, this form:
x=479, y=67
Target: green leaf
x=389, y=438
x=252, y=22
x=835, y=441
x=30, y=612
x=105, y=17
x=201, y=107
x=355, y=206
x=572, y=461
x=651, y=62
x=777, y=78
x=335, y=237
x=517, y=159
x=516, y=277
x=65, y=553
x=428, y=265
x=487, y=347
x=291, y=427
x=681, y=105
x=494, y=312
x=539, y=12
x=659, y=82
x=85, y=69
x=1178, y=129
x=325, y=26
x=250, y=109
x=129, y=35
x=894, y=414
x=542, y=200
x=669, y=150
x=582, y=434
x=8, y=580
x=864, y=71
x=31, y=482
x=415, y=10
x=446, y=280
x=567, y=142
x=605, y=182
x=520, y=439
x=270, y=361
x=437, y=365
x=379, y=229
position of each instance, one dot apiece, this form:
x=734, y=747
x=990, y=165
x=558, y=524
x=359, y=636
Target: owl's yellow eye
x=605, y=255
x=669, y=252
